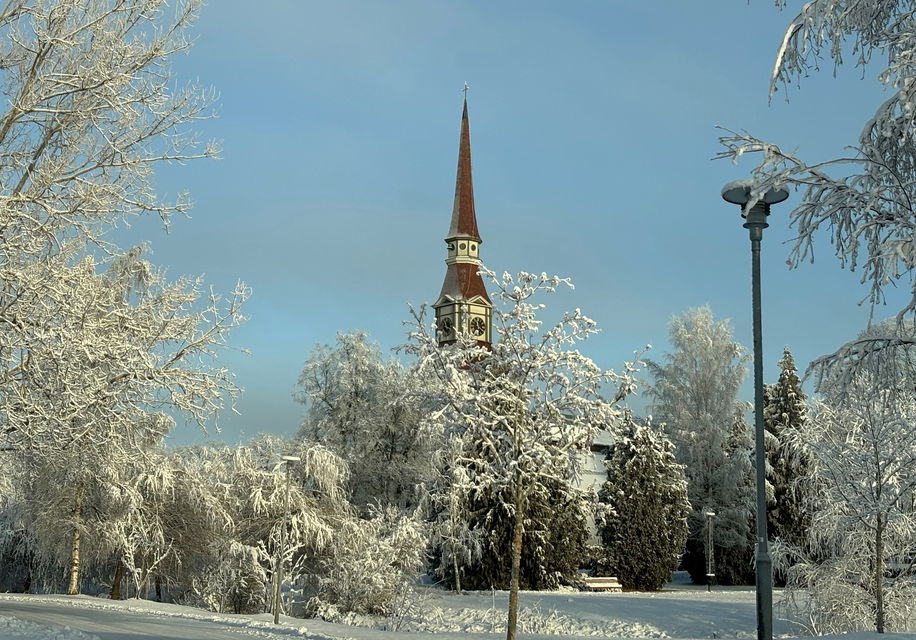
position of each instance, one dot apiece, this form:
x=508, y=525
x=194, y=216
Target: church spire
x=464, y=218
x=463, y=305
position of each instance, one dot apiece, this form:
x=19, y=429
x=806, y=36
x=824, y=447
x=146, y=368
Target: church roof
x=464, y=218
x=462, y=282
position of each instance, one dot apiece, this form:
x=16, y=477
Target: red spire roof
x=464, y=218
x=462, y=282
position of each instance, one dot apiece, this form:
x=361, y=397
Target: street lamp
x=710, y=565
x=755, y=221
x=278, y=563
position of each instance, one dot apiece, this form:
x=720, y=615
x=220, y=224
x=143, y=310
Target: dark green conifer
x=554, y=545
x=645, y=496
x=785, y=412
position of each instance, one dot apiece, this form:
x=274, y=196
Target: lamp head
x=755, y=217
x=739, y=192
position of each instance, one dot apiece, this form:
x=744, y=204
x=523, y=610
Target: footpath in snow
x=680, y=612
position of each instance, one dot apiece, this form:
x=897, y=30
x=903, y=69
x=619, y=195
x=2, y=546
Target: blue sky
x=592, y=130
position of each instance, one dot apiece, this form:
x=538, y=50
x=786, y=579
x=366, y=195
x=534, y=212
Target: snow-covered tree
x=90, y=109
x=645, y=502
x=526, y=408
x=239, y=561
x=369, y=412
x=471, y=528
x=371, y=567
x=857, y=572
x=554, y=542
x=84, y=395
x=784, y=413
x=694, y=395
x=172, y=511
x=94, y=343
x=455, y=539
x=862, y=202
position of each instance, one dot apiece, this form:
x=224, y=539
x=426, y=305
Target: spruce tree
x=646, y=498
x=785, y=413
x=554, y=544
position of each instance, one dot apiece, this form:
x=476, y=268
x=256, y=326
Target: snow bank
x=259, y=624
x=531, y=620
x=15, y=629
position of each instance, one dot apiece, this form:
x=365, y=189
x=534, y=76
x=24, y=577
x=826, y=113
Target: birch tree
x=91, y=109
x=369, y=411
x=861, y=202
x=528, y=407
x=857, y=573
x=114, y=349
x=694, y=395
x=94, y=342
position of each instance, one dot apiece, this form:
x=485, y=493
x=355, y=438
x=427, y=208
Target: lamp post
x=755, y=221
x=278, y=564
x=710, y=565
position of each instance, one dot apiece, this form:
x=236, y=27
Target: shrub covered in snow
x=236, y=582
x=371, y=565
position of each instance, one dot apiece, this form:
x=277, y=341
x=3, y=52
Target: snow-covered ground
x=679, y=612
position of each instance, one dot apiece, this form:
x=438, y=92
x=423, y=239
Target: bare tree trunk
x=116, y=583
x=457, y=575
x=879, y=575
x=512, y=626
x=158, y=588
x=77, y=513
x=141, y=585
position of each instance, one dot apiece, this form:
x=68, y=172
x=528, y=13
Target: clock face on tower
x=478, y=327
x=445, y=326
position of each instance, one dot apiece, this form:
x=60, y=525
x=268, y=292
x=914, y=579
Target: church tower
x=463, y=304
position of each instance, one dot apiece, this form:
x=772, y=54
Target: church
x=463, y=303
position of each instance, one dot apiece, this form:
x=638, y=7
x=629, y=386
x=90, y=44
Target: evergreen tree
x=784, y=415
x=554, y=541
x=646, y=501
x=694, y=394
